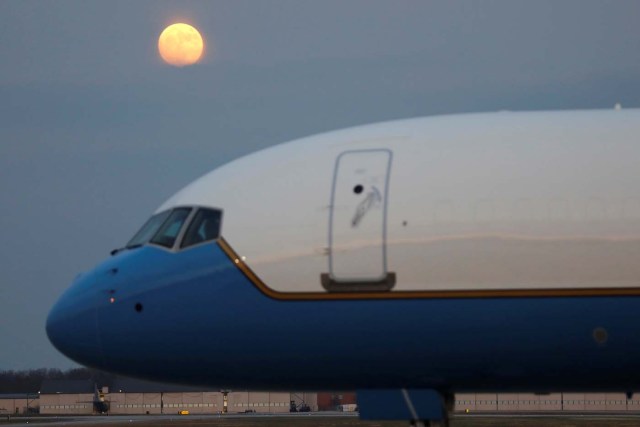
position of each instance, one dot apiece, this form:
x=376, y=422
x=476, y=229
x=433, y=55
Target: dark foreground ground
x=484, y=420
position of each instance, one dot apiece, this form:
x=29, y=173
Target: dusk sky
x=96, y=131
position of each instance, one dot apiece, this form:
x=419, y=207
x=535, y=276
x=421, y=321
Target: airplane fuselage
x=483, y=252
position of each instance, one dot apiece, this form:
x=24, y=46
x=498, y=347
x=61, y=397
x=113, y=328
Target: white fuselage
x=480, y=202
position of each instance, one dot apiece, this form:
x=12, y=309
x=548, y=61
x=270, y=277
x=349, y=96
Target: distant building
x=19, y=403
x=304, y=401
x=67, y=397
x=130, y=396
x=530, y=402
x=336, y=400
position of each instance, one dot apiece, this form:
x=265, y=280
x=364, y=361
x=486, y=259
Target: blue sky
x=96, y=132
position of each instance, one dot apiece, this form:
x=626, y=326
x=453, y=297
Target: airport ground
x=328, y=420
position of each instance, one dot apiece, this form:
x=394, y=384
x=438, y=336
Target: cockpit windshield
x=169, y=230
x=148, y=230
x=204, y=227
x=165, y=228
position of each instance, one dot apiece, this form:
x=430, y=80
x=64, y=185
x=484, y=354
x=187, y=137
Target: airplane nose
x=72, y=326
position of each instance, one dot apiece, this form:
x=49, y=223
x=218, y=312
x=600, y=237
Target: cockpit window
x=166, y=235
x=165, y=227
x=148, y=229
x=204, y=227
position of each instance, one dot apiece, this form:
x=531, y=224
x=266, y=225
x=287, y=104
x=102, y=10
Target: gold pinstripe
x=492, y=293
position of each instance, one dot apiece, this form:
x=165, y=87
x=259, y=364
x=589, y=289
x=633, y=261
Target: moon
x=180, y=45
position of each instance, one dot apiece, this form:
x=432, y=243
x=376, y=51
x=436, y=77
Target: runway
x=328, y=420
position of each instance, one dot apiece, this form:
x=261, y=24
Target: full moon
x=180, y=45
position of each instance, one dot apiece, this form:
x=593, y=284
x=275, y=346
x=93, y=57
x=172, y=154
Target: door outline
x=387, y=280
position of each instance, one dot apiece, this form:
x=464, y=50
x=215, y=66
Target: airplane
x=407, y=260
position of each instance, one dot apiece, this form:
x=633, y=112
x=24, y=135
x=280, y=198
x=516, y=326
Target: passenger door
x=357, y=223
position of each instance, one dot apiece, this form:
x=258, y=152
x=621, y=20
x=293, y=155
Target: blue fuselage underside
x=201, y=321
